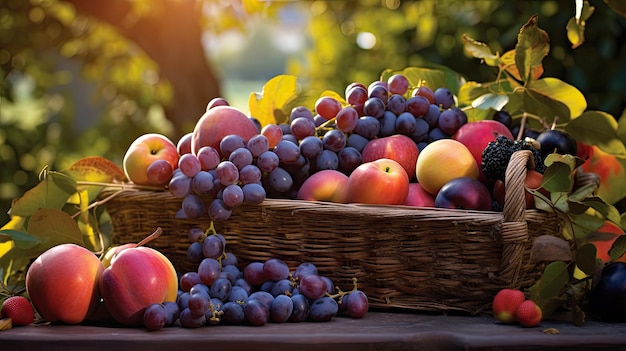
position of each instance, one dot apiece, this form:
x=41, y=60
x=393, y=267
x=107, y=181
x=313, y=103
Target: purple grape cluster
x=219, y=292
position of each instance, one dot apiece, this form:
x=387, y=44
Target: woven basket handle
x=514, y=228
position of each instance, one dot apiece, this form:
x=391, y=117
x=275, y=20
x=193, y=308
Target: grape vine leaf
x=533, y=44
x=273, y=104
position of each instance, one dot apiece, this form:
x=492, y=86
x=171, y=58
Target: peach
x=324, y=185
x=441, y=161
x=218, y=122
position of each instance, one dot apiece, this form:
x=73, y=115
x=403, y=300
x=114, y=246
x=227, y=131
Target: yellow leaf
x=96, y=169
x=16, y=223
x=268, y=106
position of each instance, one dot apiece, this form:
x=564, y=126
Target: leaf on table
x=271, y=105
x=52, y=192
x=548, y=248
x=533, y=44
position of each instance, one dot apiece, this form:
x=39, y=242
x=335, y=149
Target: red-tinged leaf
x=507, y=63
x=96, y=169
x=612, y=172
x=533, y=44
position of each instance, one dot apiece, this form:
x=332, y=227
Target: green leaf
x=480, y=50
x=551, y=283
x=621, y=129
x=53, y=227
x=586, y=258
x=557, y=178
x=533, y=44
x=576, y=25
x=22, y=240
x=608, y=211
x=52, y=192
x=618, y=249
x=490, y=101
x=562, y=92
x=571, y=161
x=544, y=106
x=597, y=128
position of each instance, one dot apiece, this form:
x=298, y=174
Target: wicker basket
x=404, y=257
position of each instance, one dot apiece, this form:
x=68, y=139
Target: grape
x=253, y=193
x=182, y=300
x=216, y=101
x=267, y=286
x=189, y=165
x=194, y=253
x=221, y=288
x=195, y=234
x=208, y=270
x=319, y=120
x=231, y=274
x=275, y=269
x=503, y=117
x=193, y=206
x=212, y=247
x=287, y=151
x=334, y=140
x=304, y=269
x=323, y=309
x=230, y=259
x=200, y=288
x=285, y=128
x=243, y=283
x=356, y=95
x=281, y=309
x=300, y=308
x=258, y=144
x=280, y=180
x=327, y=160
x=273, y=133
x=417, y=105
x=232, y=196
x=253, y=273
x=255, y=312
x=378, y=91
x=230, y=143
x=232, y=313
x=374, y=107
x=421, y=145
x=227, y=173
x=302, y=127
x=432, y=116
x=159, y=172
x=202, y=183
x=282, y=287
x=443, y=98
x=188, y=280
x=367, y=127
x=406, y=123
x=250, y=174
x=357, y=305
x=179, y=186
x=349, y=159
x=330, y=287
x=327, y=107
x=218, y=211
x=190, y=320
x=267, y=161
x=241, y=157
x=172, y=311
x=421, y=130
x=357, y=141
x=301, y=111
x=262, y=296
x=155, y=316
x=449, y=121
x=198, y=304
x=425, y=92
x=238, y=293
x=396, y=104
x=436, y=134
x=398, y=84
x=312, y=286
x=209, y=158
x=347, y=119
x=311, y=146
x=290, y=138
x=387, y=124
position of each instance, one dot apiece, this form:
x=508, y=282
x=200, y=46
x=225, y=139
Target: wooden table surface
x=377, y=331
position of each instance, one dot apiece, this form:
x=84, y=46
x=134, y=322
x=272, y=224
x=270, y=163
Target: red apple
x=476, y=135
x=145, y=150
x=218, y=122
x=383, y=181
x=464, y=193
x=136, y=278
x=62, y=283
x=324, y=185
x=398, y=147
x=419, y=197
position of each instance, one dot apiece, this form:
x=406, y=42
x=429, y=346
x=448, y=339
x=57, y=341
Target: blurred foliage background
x=83, y=78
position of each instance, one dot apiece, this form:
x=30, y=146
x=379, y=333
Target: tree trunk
x=171, y=35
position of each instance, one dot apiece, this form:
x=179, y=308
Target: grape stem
x=150, y=237
x=340, y=294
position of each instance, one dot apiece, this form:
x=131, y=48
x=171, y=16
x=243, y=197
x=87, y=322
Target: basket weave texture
x=426, y=259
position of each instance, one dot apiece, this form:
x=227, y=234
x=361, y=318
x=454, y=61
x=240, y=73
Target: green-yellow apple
x=397, y=147
x=63, y=283
x=441, y=161
x=325, y=185
x=218, y=122
x=419, y=197
x=464, y=193
x=136, y=278
x=476, y=135
x=143, y=151
x=383, y=181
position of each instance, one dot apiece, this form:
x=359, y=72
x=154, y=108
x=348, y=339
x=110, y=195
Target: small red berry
x=528, y=314
x=505, y=304
x=19, y=309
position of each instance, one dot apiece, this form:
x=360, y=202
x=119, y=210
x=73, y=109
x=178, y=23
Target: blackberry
x=497, y=154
